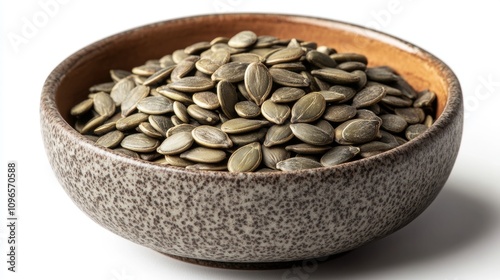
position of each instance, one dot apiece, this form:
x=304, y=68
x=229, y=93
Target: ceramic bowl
x=250, y=219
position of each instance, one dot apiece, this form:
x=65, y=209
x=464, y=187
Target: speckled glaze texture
x=251, y=217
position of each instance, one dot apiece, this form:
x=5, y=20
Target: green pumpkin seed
x=247, y=138
x=110, y=139
x=247, y=109
x=339, y=113
x=149, y=130
x=258, y=82
x=338, y=155
x=131, y=122
x=276, y=113
x=211, y=137
x=297, y=163
x=155, y=105
x=192, y=84
x=130, y=103
x=119, y=74
x=381, y=75
x=106, y=87
x=242, y=39
x=308, y=108
x=127, y=152
x=336, y=76
x=139, y=142
x=177, y=161
x=246, y=158
x=204, y=155
x=350, y=66
x=241, y=125
x=179, y=128
x=227, y=97
x=232, y=72
x=159, y=76
x=176, y=144
x=82, y=107
x=160, y=123
x=201, y=115
x=368, y=96
x=288, y=78
x=180, y=111
x=425, y=99
x=174, y=94
x=208, y=166
x=206, y=100
x=345, y=57
x=272, y=155
x=415, y=130
x=393, y=123
x=357, y=131
x=246, y=58
x=411, y=115
x=311, y=134
x=285, y=55
x=320, y=60
x=197, y=47
x=287, y=94
x=307, y=149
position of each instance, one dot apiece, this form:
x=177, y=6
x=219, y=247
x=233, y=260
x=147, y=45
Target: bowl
x=250, y=220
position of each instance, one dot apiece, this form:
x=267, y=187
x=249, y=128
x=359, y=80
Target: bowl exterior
x=252, y=217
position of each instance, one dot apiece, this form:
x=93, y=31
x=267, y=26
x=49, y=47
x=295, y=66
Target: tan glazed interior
x=132, y=48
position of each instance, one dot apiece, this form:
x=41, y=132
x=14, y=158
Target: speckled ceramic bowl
x=247, y=219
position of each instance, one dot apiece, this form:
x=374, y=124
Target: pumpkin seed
x=176, y=144
x=338, y=155
x=129, y=104
x=247, y=109
x=287, y=94
x=131, y=121
x=82, y=107
x=357, y=131
x=110, y=139
x=288, y=78
x=211, y=137
x=276, y=113
x=242, y=39
x=227, y=97
x=246, y=158
x=339, y=113
x=311, y=134
x=278, y=134
x=192, y=84
x=415, y=130
x=204, y=155
x=258, y=82
x=139, y=142
x=272, y=155
x=203, y=116
x=297, y=163
x=368, y=96
x=308, y=108
x=155, y=105
x=241, y=125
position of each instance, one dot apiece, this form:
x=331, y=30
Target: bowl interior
x=132, y=48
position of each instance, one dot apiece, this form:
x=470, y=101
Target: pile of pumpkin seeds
x=254, y=103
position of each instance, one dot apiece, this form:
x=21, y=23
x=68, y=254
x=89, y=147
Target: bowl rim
x=451, y=110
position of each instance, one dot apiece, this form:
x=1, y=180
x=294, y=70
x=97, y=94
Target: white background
x=457, y=237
